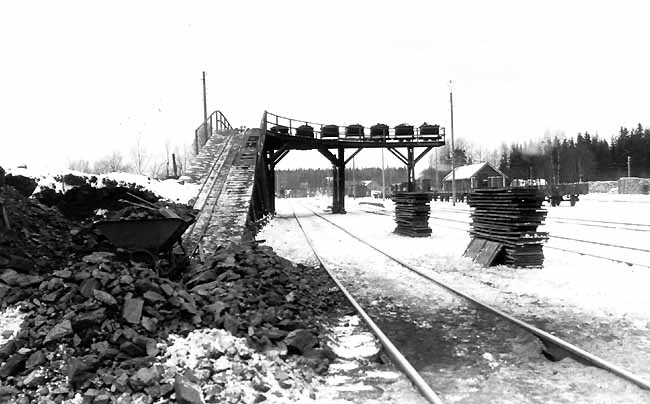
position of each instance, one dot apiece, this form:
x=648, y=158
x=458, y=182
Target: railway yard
x=211, y=289
x=591, y=293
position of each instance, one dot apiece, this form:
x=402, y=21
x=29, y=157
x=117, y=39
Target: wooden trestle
x=277, y=146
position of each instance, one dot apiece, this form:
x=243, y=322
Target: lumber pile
x=412, y=213
x=509, y=217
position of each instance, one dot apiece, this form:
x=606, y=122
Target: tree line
x=139, y=161
x=320, y=178
x=585, y=158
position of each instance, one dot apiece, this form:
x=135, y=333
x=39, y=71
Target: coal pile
x=40, y=238
x=510, y=217
x=94, y=321
x=412, y=213
x=24, y=185
x=81, y=202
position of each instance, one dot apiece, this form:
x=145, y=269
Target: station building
x=475, y=176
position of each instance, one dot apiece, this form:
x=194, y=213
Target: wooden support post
x=174, y=166
x=335, y=189
x=341, y=180
x=410, y=169
x=271, y=188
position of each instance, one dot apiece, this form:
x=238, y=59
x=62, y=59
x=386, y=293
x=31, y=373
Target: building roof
x=467, y=172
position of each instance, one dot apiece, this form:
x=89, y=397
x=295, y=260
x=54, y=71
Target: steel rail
x=601, y=226
x=603, y=244
x=574, y=239
x=565, y=238
x=628, y=263
x=543, y=335
x=600, y=221
x=400, y=360
x=560, y=220
x=212, y=167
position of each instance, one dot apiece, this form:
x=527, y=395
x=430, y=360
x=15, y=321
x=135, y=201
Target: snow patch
x=178, y=191
x=11, y=320
x=350, y=342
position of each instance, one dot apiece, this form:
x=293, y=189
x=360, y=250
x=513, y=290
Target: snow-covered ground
x=172, y=190
x=599, y=305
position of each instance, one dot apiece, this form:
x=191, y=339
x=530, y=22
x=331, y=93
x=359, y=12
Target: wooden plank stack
x=510, y=216
x=412, y=213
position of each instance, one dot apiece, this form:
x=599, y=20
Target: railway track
x=554, y=346
x=605, y=224
x=392, y=350
x=552, y=237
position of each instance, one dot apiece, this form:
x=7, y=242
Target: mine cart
x=429, y=132
x=147, y=237
x=305, y=131
x=280, y=130
x=379, y=132
x=404, y=132
x=329, y=132
x=151, y=235
x=354, y=131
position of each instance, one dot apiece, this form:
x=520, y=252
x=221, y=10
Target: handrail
x=270, y=119
x=217, y=121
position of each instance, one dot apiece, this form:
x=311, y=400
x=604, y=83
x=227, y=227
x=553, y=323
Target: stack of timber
x=508, y=219
x=412, y=213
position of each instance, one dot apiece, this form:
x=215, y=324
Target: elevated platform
x=294, y=142
x=237, y=169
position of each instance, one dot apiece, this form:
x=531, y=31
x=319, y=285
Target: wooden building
x=475, y=176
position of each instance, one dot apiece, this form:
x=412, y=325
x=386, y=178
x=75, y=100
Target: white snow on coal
x=177, y=191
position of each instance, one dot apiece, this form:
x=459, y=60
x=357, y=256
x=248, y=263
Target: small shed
x=475, y=176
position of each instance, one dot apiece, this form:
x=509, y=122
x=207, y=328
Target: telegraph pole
x=629, y=161
x=205, y=107
x=453, y=163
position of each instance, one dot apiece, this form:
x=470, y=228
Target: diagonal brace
x=399, y=155
x=352, y=155
x=423, y=153
x=328, y=155
x=277, y=156
x=277, y=160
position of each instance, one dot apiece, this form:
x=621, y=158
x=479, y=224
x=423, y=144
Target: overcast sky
x=80, y=79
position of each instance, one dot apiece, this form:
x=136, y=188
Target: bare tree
x=139, y=156
x=114, y=162
x=157, y=169
x=168, y=147
x=183, y=158
x=79, y=165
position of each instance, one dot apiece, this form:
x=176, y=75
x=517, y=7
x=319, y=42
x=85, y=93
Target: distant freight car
x=557, y=193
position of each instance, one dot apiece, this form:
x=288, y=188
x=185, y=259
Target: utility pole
x=205, y=109
x=629, y=161
x=453, y=163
